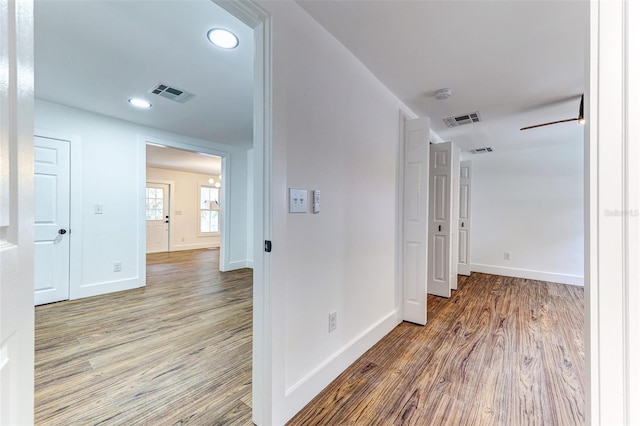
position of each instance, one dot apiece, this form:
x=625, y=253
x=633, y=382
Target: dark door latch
x=267, y=246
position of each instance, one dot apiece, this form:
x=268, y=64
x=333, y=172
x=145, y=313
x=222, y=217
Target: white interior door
x=439, y=249
x=416, y=197
x=157, y=213
x=464, y=225
x=16, y=212
x=51, y=217
x=455, y=215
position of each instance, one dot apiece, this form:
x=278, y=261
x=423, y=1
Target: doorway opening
x=190, y=142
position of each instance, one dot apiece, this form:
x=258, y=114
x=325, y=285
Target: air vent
x=171, y=93
x=481, y=150
x=472, y=117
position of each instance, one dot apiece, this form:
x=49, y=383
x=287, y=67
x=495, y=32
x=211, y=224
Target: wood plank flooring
x=501, y=351
x=175, y=352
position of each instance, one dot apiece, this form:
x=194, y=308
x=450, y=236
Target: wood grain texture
x=501, y=351
x=177, y=351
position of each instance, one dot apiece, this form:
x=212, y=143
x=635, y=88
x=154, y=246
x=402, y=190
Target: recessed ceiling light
x=140, y=103
x=223, y=38
x=217, y=185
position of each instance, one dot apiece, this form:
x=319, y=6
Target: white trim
x=317, y=379
x=195, y=246
x=633, y=200
x=75, y=206
x=399, y=288
x=172, y=194
x=528, y=274
x=240, y=264
x=103, y=287
x=224, y=211
x=250, y=13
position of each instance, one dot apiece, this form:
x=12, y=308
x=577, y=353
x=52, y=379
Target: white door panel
x=439, y=268
x=16, y=213
x=51, y=217
x=455, y=215
x=415, y=193
x=157, y=217
x=464, y=228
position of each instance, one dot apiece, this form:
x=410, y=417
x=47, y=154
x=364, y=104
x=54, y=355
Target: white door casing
x=16, y=213
x=464, y=223
x=439, y=249
x=158, y=229
x=455, y=215
x=414, y=241
x=51, y=218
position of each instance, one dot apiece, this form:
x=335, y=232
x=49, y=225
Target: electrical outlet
x=507, y=255
x=333, y=321
x=117, y=266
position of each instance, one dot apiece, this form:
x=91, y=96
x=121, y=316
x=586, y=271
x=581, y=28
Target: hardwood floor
x=501, y=351
x=175, y=352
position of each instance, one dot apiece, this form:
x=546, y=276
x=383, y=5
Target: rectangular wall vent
x=481, y=150
x=171, y=93
x=472, y=117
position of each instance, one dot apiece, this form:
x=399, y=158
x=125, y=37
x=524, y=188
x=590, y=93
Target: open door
x=16, y=213
x=414, y=241
x=464, y=225
x=440, y=171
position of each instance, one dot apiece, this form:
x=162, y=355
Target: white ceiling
x=516, y=62
x=94, y=55
x=178, y=159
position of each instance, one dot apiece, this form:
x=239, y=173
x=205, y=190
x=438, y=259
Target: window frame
x=200, y=210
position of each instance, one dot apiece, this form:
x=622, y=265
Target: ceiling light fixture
x=217, y=185
x=140, y=103
x=442, y=94
x=223, y=38
x=211, y=180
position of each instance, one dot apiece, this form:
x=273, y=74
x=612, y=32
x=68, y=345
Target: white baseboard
x=303, y=391
x=529, y=274
x=196, y=246
x=238, y=264
x=88, y=290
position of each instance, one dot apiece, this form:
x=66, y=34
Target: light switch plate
x=297, y=200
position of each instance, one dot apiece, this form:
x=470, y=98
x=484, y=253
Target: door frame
x=171, y=185
x=75, y=205
x=224, y=210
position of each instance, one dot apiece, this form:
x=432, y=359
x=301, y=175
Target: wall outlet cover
x=297, y=200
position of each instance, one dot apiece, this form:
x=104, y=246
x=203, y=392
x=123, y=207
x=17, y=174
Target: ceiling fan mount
x=579, y=118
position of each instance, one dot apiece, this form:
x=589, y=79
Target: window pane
x=204, y=221
x=213, y=226
x=204, y=198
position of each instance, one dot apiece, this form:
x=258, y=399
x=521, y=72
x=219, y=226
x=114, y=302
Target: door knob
x=62, y=231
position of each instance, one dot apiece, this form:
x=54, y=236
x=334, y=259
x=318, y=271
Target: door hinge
x=267, y=246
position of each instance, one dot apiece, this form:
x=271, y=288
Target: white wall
x=530, y=203
x=336, y=129
x=112, y=173
x=185, y=208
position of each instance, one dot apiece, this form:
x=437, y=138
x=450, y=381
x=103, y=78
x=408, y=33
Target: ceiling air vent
x=472, y=117
x=481, y=150
x=171, y=93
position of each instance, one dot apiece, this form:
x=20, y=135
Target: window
x=209, y=209
x=154, y=203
